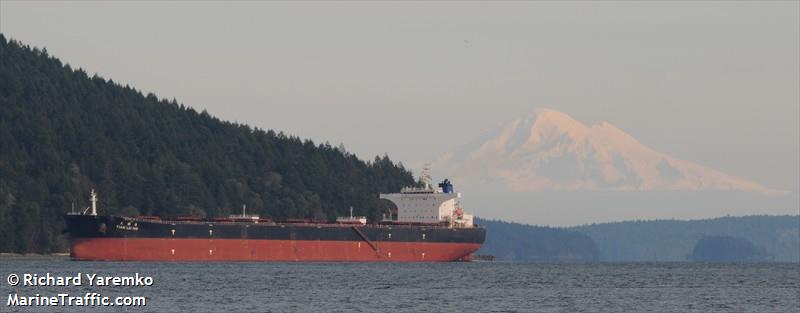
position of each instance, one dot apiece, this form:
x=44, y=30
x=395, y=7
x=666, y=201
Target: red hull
x=220, y=250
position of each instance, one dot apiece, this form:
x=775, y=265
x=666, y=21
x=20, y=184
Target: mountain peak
x=550, y=113
x=550, y=117
x=550, y=150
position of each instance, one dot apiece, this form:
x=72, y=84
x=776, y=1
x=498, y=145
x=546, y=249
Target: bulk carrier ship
x=429, y=226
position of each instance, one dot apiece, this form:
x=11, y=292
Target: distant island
x=519, y=242
x=675, y=240
x=725, y=239
x=726, y=249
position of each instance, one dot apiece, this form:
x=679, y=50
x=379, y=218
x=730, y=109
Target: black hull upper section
x=88, y=226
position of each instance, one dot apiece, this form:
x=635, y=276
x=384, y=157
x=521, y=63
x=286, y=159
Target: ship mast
x=426, y=177
x=93, y=199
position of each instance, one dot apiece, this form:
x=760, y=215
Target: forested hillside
x=674, y=240
x=519, y=242
x=63, y=132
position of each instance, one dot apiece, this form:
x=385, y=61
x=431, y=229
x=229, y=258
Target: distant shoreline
x=6, y=255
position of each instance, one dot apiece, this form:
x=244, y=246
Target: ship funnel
x=446, y=186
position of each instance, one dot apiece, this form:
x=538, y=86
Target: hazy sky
x=716, y=83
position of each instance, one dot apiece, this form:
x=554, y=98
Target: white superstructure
x=429, y=205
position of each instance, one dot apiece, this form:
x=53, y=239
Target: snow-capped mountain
x=549, y=150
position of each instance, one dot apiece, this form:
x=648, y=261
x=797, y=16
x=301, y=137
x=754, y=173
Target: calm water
x=423, y=287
